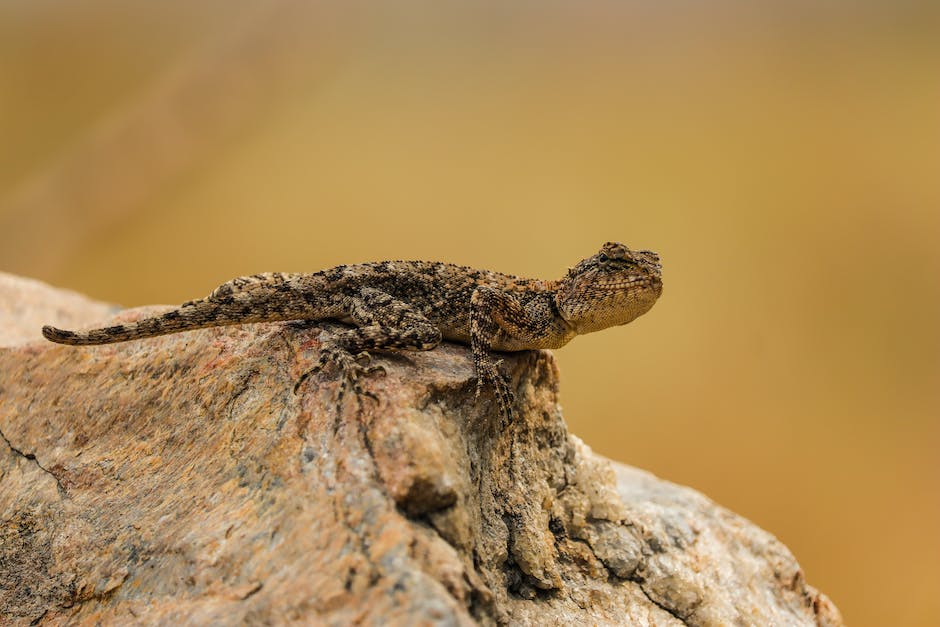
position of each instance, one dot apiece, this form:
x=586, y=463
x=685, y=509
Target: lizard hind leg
x=279, y=281
x=252, y=282
x=385, y=323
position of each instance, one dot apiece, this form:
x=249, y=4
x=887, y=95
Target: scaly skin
x=413, y=305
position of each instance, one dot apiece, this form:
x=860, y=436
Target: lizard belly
x=459, y=335
x=506, y=342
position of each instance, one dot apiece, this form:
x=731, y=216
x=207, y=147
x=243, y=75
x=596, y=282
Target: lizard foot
x=489, y=373
x=351, y=368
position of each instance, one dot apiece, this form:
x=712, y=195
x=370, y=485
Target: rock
x=180, y=479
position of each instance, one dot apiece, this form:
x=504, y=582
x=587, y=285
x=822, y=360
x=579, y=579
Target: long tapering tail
x=198, y=315
x=233, y=303
x=170, y=322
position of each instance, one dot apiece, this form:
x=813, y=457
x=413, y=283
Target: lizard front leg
x=383, y=323
x=494, y=312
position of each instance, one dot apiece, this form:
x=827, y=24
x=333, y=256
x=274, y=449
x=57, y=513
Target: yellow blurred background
x=782, y=157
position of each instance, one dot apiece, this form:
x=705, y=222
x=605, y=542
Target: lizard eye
x=602, y=257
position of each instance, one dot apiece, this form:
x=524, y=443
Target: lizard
x=414, y=305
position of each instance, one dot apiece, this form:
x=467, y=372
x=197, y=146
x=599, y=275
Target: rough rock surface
x=180, y=479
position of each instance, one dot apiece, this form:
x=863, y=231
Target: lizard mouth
x=634, y=282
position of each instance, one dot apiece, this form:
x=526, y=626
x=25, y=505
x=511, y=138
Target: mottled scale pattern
x=413, y=305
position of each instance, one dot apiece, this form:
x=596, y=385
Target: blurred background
x=782, y=157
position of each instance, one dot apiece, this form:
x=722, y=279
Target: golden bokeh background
x=781, y=156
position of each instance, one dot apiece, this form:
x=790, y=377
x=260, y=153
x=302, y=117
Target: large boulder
x=182, y=479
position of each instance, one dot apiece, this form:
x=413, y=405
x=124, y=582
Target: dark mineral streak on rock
x=192, y=486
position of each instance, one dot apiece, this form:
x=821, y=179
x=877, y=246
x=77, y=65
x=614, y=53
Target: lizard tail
x=237, y=308
x=62, y=336
x=191, y=317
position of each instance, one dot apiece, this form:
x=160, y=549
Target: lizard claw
x=367, y=368
x=303, y=377
x=489, y=373
x=375, y=370
x=325, y=358
x=351, y=369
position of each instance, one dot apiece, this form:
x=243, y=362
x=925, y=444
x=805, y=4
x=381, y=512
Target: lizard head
x=610, y=288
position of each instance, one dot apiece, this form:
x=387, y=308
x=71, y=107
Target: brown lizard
x=413, y=305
